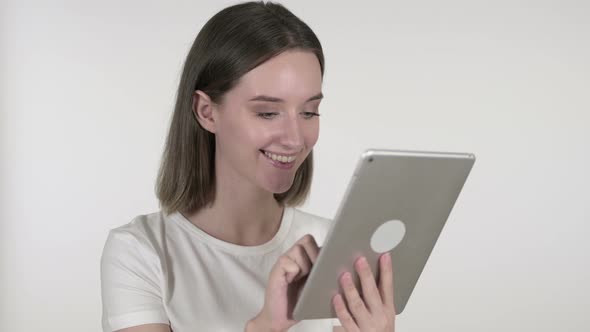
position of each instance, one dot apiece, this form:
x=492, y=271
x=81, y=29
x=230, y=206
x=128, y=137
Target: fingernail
x=347, y=276
x=362, y=261
x=387, y=257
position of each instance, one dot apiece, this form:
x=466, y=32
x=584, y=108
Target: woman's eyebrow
x=279, y=100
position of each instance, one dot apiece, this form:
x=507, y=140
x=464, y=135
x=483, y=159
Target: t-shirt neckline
x=272, y=244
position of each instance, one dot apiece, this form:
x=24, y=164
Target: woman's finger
x=298, y=254
x=343, y=315
x=287, y=267
x=386, y=281
x=311, y=247
x=355, y=302
x=371, y=294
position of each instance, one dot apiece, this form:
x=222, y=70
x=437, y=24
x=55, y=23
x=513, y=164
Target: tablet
x=397, y=202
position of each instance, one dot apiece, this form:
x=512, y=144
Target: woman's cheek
x=312, y=135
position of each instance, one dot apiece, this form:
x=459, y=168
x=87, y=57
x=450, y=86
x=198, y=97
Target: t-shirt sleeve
x=131, y=278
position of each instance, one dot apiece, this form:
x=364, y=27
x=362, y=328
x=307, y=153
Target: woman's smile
x=281, y=161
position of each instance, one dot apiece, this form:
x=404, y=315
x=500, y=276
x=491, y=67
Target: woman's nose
x=292, y=135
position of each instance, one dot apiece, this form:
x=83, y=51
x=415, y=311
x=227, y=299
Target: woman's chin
x=282, y=189
x=279, y=188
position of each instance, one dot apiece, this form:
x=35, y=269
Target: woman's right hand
x=284, y=285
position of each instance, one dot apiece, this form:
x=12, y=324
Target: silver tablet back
x=406, y=195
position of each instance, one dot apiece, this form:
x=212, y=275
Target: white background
x=87, y=89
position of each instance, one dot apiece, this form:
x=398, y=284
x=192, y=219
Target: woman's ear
x=203, y=108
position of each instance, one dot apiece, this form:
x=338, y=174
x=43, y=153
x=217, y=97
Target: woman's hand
x=284, y=284
x=375, y=312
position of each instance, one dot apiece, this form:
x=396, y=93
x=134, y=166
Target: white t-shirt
x=164, y=269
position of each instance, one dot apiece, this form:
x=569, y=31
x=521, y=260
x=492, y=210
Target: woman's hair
x=233, y=42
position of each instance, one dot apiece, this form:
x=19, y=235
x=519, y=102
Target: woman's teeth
x=276, y=157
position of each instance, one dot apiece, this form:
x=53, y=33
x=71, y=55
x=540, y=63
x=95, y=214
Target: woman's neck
x=242, y=215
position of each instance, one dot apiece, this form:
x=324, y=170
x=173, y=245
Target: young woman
x=228, y=251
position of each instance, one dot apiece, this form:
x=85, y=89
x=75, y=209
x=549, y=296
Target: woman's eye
x=267, y=115
x=309, y=115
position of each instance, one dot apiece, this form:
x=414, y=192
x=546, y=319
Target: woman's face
x=267, y=124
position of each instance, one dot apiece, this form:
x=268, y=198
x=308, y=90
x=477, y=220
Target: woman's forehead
x=292, y=75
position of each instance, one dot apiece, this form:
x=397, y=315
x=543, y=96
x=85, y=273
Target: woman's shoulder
x=144, y=232
x=309, y=223
x=307, y=217
x=142, y=224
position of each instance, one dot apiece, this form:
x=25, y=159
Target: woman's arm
x=130, y=284
x=166, y=328
x=147, y=328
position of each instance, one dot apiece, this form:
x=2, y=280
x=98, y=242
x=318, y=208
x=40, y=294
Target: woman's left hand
x=375, y=311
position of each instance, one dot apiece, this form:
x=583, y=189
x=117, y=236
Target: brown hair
x=233, y=42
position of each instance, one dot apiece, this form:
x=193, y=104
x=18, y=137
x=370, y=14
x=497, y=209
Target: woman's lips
x=276, y=162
